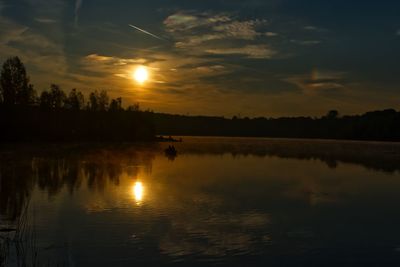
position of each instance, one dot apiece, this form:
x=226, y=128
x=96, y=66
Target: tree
x=116, y=104
x=93, y=103
x=54, y=99
x=14, y=83
x=28, y=96
x=98, y=101
x=103, y=100
x=332, y=114
x=57, y=96
x=134, y=107
x=45, y=100
x=75, y=100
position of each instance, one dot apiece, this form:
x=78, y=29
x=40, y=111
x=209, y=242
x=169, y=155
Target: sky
x=214, y=57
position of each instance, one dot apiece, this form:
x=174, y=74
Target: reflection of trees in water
x=377, y=156
x=16, y=183
x=71, y=168
x=52, y=173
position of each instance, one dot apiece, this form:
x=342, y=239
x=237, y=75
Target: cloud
x=310, y=28
x=41, y=54
x=194, y=41
x=14, y=36
x=211, y=70
x=118, y=70
x=306, y=42
x=202, y=34
x=319, y=81
x=398, y=32
x=184, y=21
x=114, y=61
x=250, y=51
x=78, y=5
x=271, y=34
x=46, y=20
x=10, y=31
x=245, y=30
x=193, y=29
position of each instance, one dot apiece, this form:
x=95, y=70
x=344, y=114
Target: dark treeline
x=58, y=116
x=376, y=125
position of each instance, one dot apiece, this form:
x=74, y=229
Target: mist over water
x=221, y=201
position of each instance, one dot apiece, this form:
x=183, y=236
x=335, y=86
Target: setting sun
x=141, y=75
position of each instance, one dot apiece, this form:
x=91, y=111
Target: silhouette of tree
x=57, y=96
x=14, y=83
x=116, y=104
x=332, y=114
x=75, y=100
x=45, y=100
x=28, y=96
x=134, y=107
x=98, y=101
x=103, y=100
x=93, y=104
x=54, y=99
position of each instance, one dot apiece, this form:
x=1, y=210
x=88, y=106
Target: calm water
x=221, y=201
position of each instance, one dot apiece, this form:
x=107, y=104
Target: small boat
x=171, y=151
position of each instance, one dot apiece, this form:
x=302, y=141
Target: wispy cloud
x=313, y=28
x=310, y=28
x=306, y=42
x=219, y=34
x=184, y=21
x=46, y=20
x=250, y=51
x=112, y=60
x=78, y=5
x=192, y=29
x=271, y=34
x=398, y=32
x=319, y=81
x=245, y=30
x=42, y=54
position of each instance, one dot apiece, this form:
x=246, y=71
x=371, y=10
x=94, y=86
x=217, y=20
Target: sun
x=141, y=74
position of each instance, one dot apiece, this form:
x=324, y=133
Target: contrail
x=78, y=4
x=146, y=32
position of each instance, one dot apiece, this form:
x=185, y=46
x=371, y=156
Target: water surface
x=220, y=202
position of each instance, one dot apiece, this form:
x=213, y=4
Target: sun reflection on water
x=137, y=191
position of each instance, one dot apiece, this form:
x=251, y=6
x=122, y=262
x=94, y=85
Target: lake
x=219, y=202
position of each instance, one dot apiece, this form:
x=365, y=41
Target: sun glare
x=137, y=191
x=141, y=74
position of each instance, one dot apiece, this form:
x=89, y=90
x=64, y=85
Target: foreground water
x=221, y=201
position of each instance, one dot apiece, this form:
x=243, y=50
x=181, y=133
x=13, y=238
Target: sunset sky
x=214, y=57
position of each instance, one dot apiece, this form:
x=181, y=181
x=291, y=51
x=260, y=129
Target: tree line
x=58, y=116
x=383, y=125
